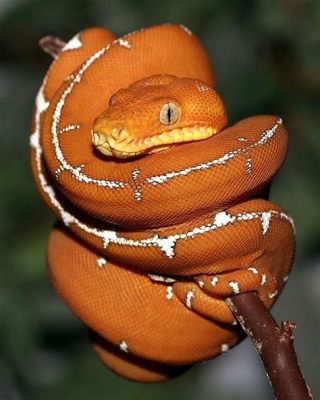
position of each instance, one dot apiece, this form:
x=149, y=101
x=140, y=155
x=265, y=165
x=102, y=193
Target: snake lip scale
x=149, y=145
x=162, y=212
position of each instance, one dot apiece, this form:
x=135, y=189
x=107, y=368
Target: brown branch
x=52, y=45
x=274, y=345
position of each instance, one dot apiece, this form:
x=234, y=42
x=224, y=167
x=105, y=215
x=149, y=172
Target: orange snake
x=162, y=211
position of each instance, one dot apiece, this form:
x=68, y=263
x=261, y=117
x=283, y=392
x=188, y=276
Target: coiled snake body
x=162, y=213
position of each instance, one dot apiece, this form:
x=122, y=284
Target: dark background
x=266, y=59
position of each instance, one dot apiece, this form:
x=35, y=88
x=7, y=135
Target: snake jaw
x=107, y=143
x=97, y=138
x=118, y=143
x=100, y=142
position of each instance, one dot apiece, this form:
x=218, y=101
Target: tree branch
x=274, y=345
x=51, y=45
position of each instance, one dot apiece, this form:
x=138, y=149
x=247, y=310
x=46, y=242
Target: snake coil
x=146, y=249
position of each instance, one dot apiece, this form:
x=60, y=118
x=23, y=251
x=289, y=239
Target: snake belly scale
x=162, y=210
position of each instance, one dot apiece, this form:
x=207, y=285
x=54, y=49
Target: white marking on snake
x=124, y=43
x=224, y=348
x=169, y=294
x=249, y=164
x=253, y=270
x=73, y=44
x=273, y=294
x=135, y=173
x=223, y=218
x=58, y=171
x=242, y=139
x=203, y=88
x=137, y=193
x=187, y=30
x=167, y=245
x=34, y=140
x=265, y=221
x=263, y=279
x=101, y=262
x=61, y=169
x=201, y=284
x=41, y=103
x=189, y=298
x=214, y=281
x=123, y=346
x=160, y=278
x=235, y=287
x=69, y=78
x=70, y=127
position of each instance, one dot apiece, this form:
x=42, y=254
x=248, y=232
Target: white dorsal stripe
x=222, y=160
x=73, y=44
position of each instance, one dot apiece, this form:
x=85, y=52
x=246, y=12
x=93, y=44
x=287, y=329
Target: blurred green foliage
x=266, y=60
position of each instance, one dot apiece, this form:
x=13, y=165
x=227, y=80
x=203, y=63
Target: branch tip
x=52, y=45
x=274, y=345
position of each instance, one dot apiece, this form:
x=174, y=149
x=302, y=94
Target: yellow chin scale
x=124, y=146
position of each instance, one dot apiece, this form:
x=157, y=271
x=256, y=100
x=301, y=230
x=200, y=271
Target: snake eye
x=169, y=114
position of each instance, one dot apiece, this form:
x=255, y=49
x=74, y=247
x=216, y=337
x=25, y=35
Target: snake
x=162, y=208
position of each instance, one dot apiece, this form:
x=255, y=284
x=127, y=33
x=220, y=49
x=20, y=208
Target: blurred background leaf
x=266, y=60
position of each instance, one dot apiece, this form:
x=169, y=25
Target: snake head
x=155, y=113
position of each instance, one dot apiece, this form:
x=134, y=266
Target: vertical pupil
x=169, y=114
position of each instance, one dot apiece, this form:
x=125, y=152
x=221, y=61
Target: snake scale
x=162, y=211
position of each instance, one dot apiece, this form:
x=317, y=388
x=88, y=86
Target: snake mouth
x=122, y=145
